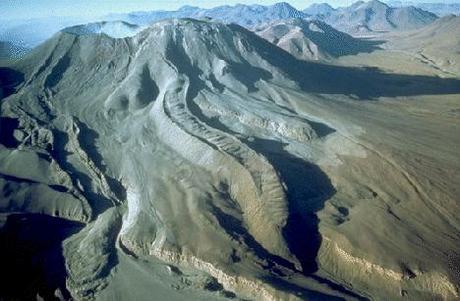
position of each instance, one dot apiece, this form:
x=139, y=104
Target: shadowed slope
x=363, y=83
x=31, y=256
x=9, y=79
x=314, y=40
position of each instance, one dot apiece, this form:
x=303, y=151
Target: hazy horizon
x=28, y=9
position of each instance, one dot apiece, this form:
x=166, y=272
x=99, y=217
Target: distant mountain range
x=373, y=16
x=319, y=9
x=440, y=9
x=359, y=18
x=244, y=15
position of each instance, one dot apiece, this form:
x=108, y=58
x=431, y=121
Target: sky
x=25, y=9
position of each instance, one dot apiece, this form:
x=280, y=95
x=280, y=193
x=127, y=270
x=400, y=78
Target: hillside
x=314, y=40
x=437, y=44
x=196, y=160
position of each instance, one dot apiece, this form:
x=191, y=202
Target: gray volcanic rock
x=139, y=98
x=196, y=160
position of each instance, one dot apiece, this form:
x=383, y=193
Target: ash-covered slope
x=184, y=160
x=362, y=17
x=313, y=40
x=165, y=180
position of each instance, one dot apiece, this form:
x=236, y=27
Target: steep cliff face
x=187, y=146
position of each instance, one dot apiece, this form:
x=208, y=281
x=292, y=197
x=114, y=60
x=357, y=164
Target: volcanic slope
x=201, y=161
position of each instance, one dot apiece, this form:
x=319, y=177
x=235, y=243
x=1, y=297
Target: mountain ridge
x=357, y=18
x=319, y=9
x=377, y=16
x=242, y=14
x=314, y=39
x=438, y=8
